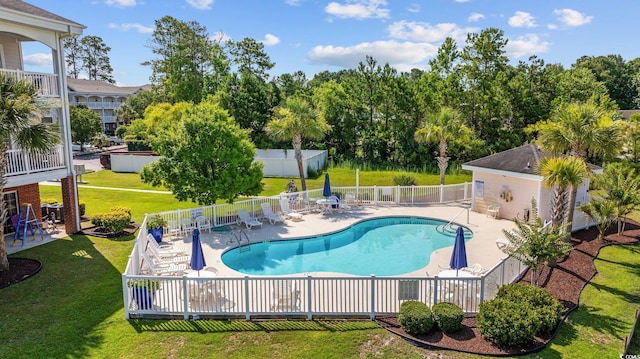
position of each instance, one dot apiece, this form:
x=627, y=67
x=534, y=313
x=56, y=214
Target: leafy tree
x=19, y=114
x=533, y=244
x=248, y=54
x=294, y=120
x=185, y=59
x=620, y=186
x=614, y=74
x=562, y=174
x=331, y=100
x=631, y=128
x=89, y=55
x=580, y=85
x=85, y=124
x=133, y=107
x=446, y=126
x=579, y=130
x=600, y=211
x=205, y=157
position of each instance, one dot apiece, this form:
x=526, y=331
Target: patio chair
x=285, y=296
x=503, y=243
x=188, y=226
x=166, y=257
x=268, y=214
x=350, y=200
x=287, y=212
x=203, y=223
x=173, y=229
x=247, y=220
x=166, y=249
x=475, y=269
x=52, y=226
x=155, y=269
x=494, y=210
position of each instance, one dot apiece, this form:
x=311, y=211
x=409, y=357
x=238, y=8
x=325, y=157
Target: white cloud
x=475, y=17
x=526, y=45
x=414, y=8
x=572, y=18
x=270, y=40
x=359, y=9
x=552, y=26
x=401, y=55
x=128, y=26
x=293, y=2
x=522, y=19
x=220, y=37
x=425, y=32
x=121, y=3
x=461, y=0
x=200, y=4
x=39, y=60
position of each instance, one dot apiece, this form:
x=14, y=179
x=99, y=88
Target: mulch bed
x=19, y=270
x=564, y=282
x=102, y=232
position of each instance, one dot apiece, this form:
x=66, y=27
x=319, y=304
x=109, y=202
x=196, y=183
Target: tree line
x=373, y=110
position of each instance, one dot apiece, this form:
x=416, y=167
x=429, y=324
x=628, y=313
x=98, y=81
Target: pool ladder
x=238, y=237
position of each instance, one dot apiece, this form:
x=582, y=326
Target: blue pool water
x=382, y=246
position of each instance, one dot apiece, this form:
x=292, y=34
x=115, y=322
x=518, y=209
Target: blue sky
x=318, y=35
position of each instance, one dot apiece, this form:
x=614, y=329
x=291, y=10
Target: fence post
x=309, y=281
x=375, y=195
x=215, y=215
x=441, y=193
x=373, y=297
x=184, y=297
x=246, y=298
x=435, y=289
x=397, y=196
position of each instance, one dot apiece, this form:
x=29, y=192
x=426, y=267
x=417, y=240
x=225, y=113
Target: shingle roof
x=93, y=86
x=523, y=159
x=21, y=6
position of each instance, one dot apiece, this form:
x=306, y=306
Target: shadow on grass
x=220, y=326
x=76, y=291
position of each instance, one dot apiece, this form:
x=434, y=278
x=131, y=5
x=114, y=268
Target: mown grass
x=73, y=307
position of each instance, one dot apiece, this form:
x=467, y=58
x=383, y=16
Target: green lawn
x=73, y=307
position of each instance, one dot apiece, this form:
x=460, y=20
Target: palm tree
x=580, y=130
x=293, y=121
x=562, y=174
x=19, y=124
x=443, y=127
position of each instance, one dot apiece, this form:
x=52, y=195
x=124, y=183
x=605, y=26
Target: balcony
x=20, y=162
x=47, y=84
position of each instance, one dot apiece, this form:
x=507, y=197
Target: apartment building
x=21, y=22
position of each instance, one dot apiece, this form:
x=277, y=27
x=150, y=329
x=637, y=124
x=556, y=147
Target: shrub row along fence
x=304, y=296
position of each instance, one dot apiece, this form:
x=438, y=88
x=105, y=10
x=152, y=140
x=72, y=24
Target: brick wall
x=29, y=194
x=69, y=201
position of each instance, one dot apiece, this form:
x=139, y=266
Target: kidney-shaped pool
x=385, y=246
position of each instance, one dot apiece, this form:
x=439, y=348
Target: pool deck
x=481, y=248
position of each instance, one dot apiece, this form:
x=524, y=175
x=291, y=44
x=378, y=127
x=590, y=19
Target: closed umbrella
x=197, y=256
x=326, y=190
x=459, y=255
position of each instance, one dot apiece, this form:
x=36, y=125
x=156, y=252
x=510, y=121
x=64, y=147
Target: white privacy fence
x=304, y=296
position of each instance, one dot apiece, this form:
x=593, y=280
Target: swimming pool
x=384, y=246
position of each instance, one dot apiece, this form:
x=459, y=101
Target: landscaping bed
x=564, y=282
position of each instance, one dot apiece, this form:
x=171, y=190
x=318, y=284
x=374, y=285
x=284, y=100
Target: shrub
x=415, y=317
x=548, y=309
x=82, y=207
x=96, y=220
x=124, y=209
x=405, y=180
x=507, y=322
x=116, y=222
x=448, y=316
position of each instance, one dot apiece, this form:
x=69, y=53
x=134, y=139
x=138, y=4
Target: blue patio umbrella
x=197, y=257
x=459, y=255
x=326, y=190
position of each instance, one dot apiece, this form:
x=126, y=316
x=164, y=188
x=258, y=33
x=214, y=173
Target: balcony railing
x=21, y=162
x=47, y=84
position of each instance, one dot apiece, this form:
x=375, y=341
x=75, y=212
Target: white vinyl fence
x=311, y=296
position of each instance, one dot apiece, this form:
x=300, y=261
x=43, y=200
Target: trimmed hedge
x=415, y=317
x=507, y=322
x=518, y=313
x=548, y=309
x=447, y=316
x=116, y=220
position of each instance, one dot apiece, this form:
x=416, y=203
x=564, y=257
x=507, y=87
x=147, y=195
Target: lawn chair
x=247, y=220
x=166, y=250
x=268, y=214
x=287, y=212
x=285, y=296
x=168, y=269
x=203, y=223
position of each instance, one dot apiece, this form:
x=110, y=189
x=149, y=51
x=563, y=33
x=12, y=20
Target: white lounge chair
x=268, y=214
x=166, y=249
x=247, y=220
x=287, y=212
x=154, y=269
x=503, y=243
x=166, y=258
x=494, y=210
